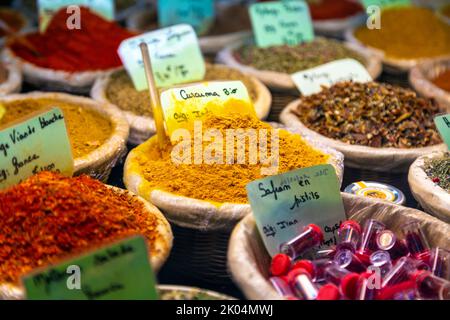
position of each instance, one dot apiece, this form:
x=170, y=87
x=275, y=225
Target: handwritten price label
x=443, y=126
x=197, y=13
x=281, y=22
x=47, y=9
x=36, y=144
x=118, y=271
x=385, y=3
x=311, y=81
x=183, y=105
x=283, y=204
x=175, y=54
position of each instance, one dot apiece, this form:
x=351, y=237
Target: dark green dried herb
x=371, y=114
x=439, y=171
x=290, y=59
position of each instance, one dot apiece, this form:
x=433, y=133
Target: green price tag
x=39, y=143
x=310, y=81
x=443, y=126
x=281, y=22
x=114, y=272
x=197, y=13
x=47, y=9
x=175, y=54
x=385, y=3
x=283, y=204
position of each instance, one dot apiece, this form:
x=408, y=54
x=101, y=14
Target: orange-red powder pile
x=333, y=9
x=92, y=47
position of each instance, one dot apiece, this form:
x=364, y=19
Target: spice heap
x=3, y=73
x=443, y=80
x=236, y=13
x=371, y=114
x=12, y=18
x=49, y=217
x=221, y=182
x=438, y=170
x=420, y=34
x=333, y=9
x=366, y=264
x=74, y=50
x=290, y=59
x=77, y=119
x=232, y=18
x=121, y=92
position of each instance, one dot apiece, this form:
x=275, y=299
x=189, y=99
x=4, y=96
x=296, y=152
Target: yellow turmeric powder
x=221, y=182
x=87, y=129
x=408, y=33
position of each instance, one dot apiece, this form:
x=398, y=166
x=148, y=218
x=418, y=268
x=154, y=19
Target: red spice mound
x=93, y=47
x=49, y=217
x=333, y=9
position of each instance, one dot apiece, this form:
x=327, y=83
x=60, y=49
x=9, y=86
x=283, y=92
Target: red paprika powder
x=333, y=9
x=92, y=47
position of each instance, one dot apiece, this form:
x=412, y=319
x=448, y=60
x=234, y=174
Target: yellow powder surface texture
x=87, y=129
x=408, y=33
x=220, y=183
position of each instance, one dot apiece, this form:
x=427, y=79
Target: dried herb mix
x=77, y=119
x=371, y=114
x=290, y=59
x=121, y=92
x=438, y=170
x=48, y=217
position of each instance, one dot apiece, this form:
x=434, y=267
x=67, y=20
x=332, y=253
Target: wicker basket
x=431, y=197
x=13, y=83
x=98, y=163
x=249, y=261
x=143, y=127
x=420, y=78
x=55, y=80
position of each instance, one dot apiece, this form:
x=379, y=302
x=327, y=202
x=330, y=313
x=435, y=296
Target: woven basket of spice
x=429, y=180
x=117, y=88
x=274, y=65
x=249, y=261
x=97, y=131
x=10, y=77
x=90, y=214
x=222, y=33
x=420, y=36
x=213, y=196
x=15, y=20
x=63, y=59
x=432, y=79
x=378, y=127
